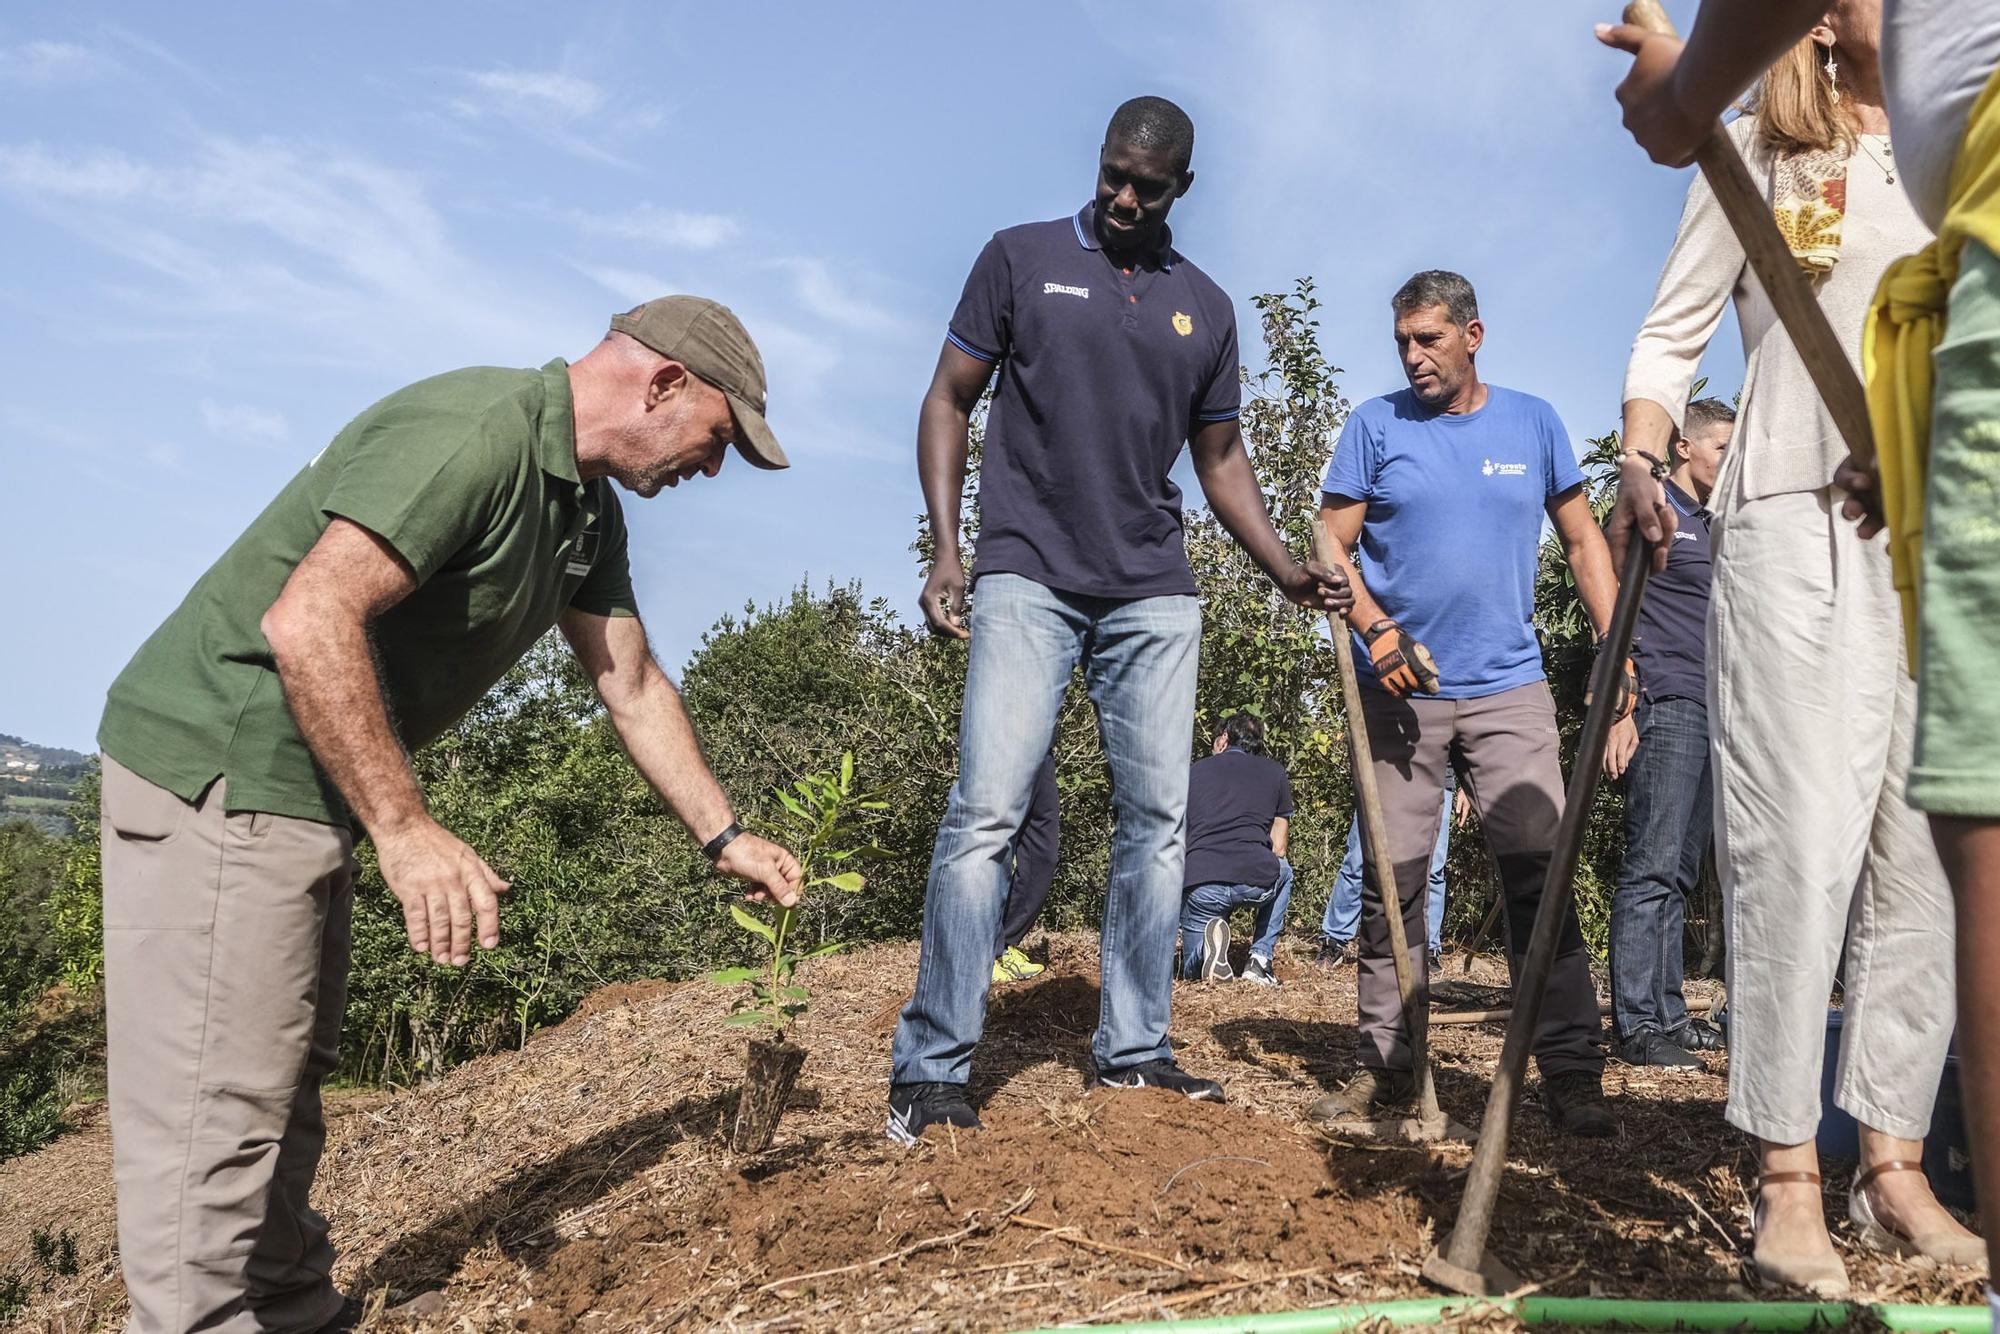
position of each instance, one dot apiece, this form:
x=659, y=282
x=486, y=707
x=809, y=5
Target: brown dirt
x=583, y=1182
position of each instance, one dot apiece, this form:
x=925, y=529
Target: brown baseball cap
x=706, y=337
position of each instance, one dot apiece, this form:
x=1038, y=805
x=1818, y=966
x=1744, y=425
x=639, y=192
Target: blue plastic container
x=1947, y=1159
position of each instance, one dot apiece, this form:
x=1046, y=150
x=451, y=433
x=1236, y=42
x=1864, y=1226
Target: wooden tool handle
x=1790, y=291
x=1375, y=846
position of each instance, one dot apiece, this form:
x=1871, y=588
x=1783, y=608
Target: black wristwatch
x=713, y=848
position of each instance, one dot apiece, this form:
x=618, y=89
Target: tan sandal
x=1944, y=1247
x=1824, y=1276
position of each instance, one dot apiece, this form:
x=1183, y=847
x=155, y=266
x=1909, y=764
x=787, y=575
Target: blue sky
x=231, y=227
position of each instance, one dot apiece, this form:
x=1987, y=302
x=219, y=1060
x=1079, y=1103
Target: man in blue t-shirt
x=1239, y=817
x=1111, y=351
x=1662, y=753
x=1446, y=485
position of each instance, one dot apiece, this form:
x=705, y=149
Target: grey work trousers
x=1506, y=747
x=225, y=974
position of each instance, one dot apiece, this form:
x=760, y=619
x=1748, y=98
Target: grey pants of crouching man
x=225, y=973
x=1506, y=746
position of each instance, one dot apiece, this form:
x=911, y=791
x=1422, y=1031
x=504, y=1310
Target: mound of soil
x=584, y=1182
x=1188, y=1195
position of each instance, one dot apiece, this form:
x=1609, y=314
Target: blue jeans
x=1668, y=823
x=1204, y=903
x=1343, y=906
x=1139, y=657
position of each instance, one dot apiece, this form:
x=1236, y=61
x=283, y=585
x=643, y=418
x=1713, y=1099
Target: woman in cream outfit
x=1810, y=703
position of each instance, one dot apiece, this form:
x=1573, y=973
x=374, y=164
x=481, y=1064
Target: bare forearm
x=653, y=726
x=1230, y=484
x=1647, y=428
x=1596, y=583
x=335, y=696
x=1366, y=610
x=942, y=427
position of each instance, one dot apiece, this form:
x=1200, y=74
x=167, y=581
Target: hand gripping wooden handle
x=1791, y=293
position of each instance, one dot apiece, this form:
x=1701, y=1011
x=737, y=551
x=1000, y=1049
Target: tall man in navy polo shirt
x=1662, y=752
x=1112, y=350
x=1445, y=484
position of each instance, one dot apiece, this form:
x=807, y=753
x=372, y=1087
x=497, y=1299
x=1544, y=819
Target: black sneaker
x=1258, y=973
x=1649, y=1046
x=914, y=1108
x=1574, y=1100
x=1334, y=953
x=1162, y=1074
x=1435, y=961
x=1215, y=951
x=1700, y=1035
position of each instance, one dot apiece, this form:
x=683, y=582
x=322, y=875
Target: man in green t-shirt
x=269, y=721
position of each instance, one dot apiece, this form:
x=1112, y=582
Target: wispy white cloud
x=557, y=107
x=629, y=285
x=164, y=455
x=152, y=50
x=41, y=64
x=307, y=243
x=244, y=423
x=650, y=224
x=537, y=93
x=821, y=290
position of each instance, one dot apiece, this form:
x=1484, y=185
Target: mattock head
x=1490, y=1279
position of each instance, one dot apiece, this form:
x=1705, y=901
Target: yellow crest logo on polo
x=1183, y=324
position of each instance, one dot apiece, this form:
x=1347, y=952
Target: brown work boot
x=1369, y=1096
x=1574, y=1100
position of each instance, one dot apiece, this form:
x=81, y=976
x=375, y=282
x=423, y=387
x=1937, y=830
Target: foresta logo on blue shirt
x=1492, y=469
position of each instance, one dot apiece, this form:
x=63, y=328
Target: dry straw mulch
x=582, y=1183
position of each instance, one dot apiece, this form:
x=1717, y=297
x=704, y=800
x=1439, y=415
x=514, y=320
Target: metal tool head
x=1490, y=1279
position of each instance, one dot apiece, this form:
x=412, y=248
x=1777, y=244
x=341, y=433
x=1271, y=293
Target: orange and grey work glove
x=1628, y=692
x=1402, y=665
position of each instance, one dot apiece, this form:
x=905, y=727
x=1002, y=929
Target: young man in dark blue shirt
x=1112, y=351
x=1238, y=822
x=1446, y=485
x=1662, y=753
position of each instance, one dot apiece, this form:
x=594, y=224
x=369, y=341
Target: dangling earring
x=1832, y=77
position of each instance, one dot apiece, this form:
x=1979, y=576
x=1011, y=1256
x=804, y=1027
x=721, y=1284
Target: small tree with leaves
x=827, y=820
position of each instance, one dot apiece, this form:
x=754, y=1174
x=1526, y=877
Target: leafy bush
x=606, y=885
x=51, y=1033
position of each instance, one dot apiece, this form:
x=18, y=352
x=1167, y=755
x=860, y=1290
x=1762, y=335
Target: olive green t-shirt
x=472, y=477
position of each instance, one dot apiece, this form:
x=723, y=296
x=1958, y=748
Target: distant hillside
x=38, y=783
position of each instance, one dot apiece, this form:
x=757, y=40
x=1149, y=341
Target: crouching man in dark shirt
x=1239, y=805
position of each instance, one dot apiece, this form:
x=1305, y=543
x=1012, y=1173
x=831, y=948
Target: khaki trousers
x=225, y=973
x=1507, y=748
x=1812, y=716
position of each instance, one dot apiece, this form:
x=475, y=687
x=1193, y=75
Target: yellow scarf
x=1906, y=324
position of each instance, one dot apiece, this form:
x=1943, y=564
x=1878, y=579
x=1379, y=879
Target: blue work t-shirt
x=1450, y=538
x=1669, y=641
x=1104, y=374
x=1232, y=799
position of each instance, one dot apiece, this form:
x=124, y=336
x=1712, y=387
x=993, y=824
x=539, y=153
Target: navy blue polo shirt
x=1669, y=643
x=1104, y=374
x=1232, y=799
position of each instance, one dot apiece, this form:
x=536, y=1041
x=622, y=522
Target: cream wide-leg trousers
x=1813, y=713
